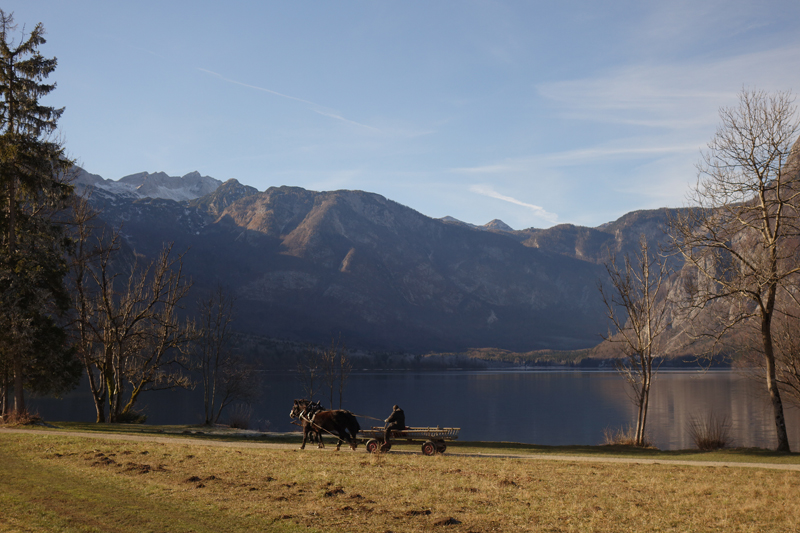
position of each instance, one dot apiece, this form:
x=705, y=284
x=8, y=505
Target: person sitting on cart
x=395, y=422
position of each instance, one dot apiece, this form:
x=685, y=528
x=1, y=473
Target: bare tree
x=226, y=376
x=89, y=246
x=343, y=369
x=335, y=367
x=310, y=370
x=741, y=244
x=637, y=308
x=128, y=332
x=158, y=363
x=786, y=344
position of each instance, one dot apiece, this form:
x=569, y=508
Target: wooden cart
x=433, y=439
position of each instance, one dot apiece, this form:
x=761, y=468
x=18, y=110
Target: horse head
x=305, y=409
x=298, y=408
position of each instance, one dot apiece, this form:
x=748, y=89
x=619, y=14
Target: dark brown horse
x=339, y=423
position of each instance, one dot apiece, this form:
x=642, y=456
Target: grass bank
x=69, y=483
x=734, y=455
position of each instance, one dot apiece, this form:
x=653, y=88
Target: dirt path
x=277, y=446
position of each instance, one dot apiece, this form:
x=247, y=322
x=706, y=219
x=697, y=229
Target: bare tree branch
x=742, y=243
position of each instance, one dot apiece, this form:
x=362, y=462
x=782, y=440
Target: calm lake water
x=541, y=407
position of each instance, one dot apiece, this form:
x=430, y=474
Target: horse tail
x=354, y=426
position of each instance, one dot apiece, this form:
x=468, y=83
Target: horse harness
x=310, y=410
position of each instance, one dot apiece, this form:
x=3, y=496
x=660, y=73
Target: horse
x=318, y=420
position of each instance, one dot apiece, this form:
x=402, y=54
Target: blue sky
x=536, y=113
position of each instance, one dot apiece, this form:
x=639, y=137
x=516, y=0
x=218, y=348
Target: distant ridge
x=306, y=266
x=156, y=185
x=494, y=225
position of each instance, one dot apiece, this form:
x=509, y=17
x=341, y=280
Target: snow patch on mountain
x=156, y=185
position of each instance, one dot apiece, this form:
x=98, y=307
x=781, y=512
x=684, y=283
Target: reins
x=356, y=415
x=369, y=417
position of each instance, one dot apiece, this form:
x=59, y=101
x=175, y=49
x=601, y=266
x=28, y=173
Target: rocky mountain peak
x=155, y=185
x=223, y=196
x=497, y=225
x=494, y=225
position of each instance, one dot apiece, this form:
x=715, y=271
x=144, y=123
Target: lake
x=549, y=407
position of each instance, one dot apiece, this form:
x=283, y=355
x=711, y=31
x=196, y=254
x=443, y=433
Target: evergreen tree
x=32, y=242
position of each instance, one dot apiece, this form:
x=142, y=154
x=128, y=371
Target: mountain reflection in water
x=540, y=407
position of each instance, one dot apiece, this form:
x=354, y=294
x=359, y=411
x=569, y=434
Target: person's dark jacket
x=396, y=420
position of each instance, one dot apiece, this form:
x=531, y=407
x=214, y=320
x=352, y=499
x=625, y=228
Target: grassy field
x=738, y=455
x=69, y=483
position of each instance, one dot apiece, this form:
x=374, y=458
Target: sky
x=533, y=112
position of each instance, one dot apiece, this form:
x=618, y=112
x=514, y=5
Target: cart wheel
x=373, y=446
x=428, y=448
x=386, y=446
x=441, y=446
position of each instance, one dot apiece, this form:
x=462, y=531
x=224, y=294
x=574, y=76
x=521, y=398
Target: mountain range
x=309, y=266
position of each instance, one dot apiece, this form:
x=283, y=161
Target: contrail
x=491, y=193
x=256, y=87
x=320, y=108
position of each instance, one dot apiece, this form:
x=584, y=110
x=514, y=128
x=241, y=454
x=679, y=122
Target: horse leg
x=343, y=436
x=353, y=428
x=319, y=438
x=305, y=436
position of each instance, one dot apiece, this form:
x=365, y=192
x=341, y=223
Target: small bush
x=131, y=417
x=710, y=433
x=623, y=437
x=240, y=417
x=24, y=418
x=262, y=425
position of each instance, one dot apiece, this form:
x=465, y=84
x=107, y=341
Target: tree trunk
x=98, y=396
x=19, y=396
x=777, y=409
x=769, y=355
x=210, y=385
x=100, y=407
x=132, y=400
x=774, y=393
x=16, y=356
x=645, y=405
x=6, y=400
x=637, y=440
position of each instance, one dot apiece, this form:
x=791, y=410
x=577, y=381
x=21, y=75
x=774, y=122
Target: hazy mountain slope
x=308, y=266
x=358, y=263
x=613, y=239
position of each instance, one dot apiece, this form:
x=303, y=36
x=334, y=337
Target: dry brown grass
x=24, y=418
x=247, y=489
x=624, y=437
x=240, y=416
x=710, y=433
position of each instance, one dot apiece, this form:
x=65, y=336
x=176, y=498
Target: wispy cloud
x=580, y=157
x=317, y=108
x=678, y=96
x=486, y=190
x=669, y=109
